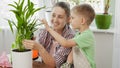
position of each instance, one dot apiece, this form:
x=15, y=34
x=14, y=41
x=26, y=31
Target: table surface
x=37, y=64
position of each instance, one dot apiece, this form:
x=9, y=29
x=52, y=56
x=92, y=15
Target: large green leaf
x=13, y=6
x=21, y=5
x=10, y=25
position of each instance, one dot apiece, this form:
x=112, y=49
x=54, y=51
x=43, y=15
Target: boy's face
x=75, y=20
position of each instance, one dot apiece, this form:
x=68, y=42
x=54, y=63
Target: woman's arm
x=46, y=57
x=70, y=58
x=58, y=37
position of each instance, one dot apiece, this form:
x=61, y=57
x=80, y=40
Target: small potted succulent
x=103, y=21
x=25, y=26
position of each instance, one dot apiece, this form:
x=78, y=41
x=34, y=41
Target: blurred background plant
x=77, y=2
x=104, y=20
x=107, y=6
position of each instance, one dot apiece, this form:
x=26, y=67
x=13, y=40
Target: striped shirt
x=61, y=53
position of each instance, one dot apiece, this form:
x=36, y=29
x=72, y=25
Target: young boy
x=81, y=18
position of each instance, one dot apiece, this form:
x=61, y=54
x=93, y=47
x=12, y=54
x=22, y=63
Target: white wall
x=6, y=39
x=104, y=49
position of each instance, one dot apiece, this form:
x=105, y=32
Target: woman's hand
x=31, y=44
x=45, y=23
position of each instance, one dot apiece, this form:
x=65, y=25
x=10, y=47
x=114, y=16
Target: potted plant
x=103, y=21
x=25, y=26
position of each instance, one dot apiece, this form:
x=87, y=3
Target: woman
x=51, y=52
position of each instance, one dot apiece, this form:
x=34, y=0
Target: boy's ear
x=83, y=20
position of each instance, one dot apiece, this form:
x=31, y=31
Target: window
x=6, y=14
x=98, y=5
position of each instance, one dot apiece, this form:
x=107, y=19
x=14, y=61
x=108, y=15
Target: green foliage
x=77, y=2
x=25, y=25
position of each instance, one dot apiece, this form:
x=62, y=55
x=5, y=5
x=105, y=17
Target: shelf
x=94, y=29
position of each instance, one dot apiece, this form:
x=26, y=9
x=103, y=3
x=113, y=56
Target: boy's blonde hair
x=86, y=11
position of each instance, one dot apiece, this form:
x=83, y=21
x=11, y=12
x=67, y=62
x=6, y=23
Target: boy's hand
x=45, y=23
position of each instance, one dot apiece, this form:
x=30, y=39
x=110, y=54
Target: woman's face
x=58, y=18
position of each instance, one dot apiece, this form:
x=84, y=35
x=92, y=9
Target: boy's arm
x=62, y=40
x=58, y=37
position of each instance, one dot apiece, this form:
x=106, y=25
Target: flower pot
x=21, y=59
x=103, y=21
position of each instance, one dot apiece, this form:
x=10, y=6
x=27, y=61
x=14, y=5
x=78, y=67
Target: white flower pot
x=21, y=59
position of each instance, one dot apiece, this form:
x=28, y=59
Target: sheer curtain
x=116, y=47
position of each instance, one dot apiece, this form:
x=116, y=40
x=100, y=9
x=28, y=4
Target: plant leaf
x=9, y=22
x=12, y=5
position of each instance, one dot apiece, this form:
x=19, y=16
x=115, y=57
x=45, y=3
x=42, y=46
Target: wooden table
x=37, y=64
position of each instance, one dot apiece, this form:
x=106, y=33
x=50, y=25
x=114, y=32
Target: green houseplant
x=76, y=2
x=25, y=26
x=103, y=21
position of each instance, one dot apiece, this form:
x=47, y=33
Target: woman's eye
x=72, y=18
x=53, y=15
x=60, y=17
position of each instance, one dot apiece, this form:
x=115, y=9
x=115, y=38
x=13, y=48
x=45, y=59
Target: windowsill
x=94, y=29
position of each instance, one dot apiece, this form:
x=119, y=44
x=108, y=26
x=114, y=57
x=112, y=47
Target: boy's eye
x=59, y=16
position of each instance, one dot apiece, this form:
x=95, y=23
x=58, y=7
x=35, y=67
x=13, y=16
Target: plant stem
x=106, y=7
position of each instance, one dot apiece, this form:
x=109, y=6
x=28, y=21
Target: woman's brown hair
x=64, y=6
